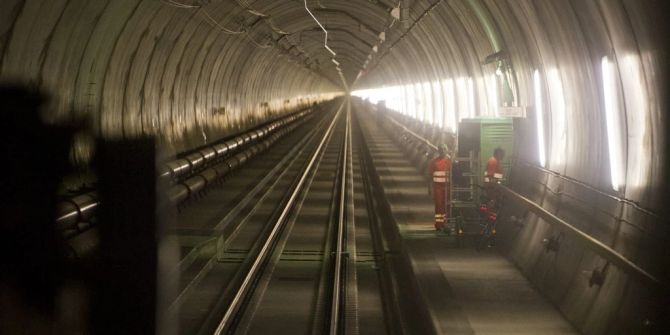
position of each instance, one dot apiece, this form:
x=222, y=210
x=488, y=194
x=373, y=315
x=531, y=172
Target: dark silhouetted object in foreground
x=35, y=158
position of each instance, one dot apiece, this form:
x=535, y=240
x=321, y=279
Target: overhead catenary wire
x=179, y=4
x=242, y=30
x=325, y=45
x=402, y=37
x=213, y=22
x=248, y=8
x=216, y=24
x=325, y=41
x=266, y=17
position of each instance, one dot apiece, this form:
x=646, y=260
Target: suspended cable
x=274, y=28
x=325, y=42
x=267, y=18
x=402, y=37
x=174, y=3
x=248, y=8
x=258, y=44
x=216, y=24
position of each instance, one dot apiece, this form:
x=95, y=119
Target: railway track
x=297, y=250
x=301, y=241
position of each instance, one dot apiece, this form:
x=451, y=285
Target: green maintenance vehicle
x=476, y=142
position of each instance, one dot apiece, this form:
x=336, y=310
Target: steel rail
x=589, y=242
x=341, y=223
x=273, y=177
x=390, y=300
x=239, y=297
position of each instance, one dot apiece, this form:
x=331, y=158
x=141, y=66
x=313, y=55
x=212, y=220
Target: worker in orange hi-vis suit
x=439, y=172
x=493, y=175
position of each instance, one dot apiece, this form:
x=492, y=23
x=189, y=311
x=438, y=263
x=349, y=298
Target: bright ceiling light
x=450, y=98
x=613, y=123
x=559, y=136
x=539, y=115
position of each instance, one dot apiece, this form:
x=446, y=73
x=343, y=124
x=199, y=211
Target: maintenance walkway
x=465, y=290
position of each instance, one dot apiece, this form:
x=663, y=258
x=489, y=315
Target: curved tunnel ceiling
x=566, y=46
x=194, y=70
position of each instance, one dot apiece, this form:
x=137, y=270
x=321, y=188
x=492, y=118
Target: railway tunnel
x=261, y=166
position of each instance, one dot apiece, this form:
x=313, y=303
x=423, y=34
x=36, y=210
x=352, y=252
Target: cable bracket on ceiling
x=325, y=45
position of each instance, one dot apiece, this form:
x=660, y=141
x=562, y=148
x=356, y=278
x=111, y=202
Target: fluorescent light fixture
x=471, y=97
x=442, y=103
x=428, y=108
x=613, y=124
x=420, y=110
x=411, y=101
x=438, y=98
x=463, y=98
x=637, y=132
x=491, y=84
x=558, y=129
x=539, y=115
x=450, y=120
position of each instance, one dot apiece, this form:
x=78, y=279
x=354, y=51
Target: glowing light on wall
x=427, y=103
x=471, y=97
x=466, y=98
x=639, y=154
x=411, y=101
x=403, y=100
x=539, y=115
x=613, y=123
x=442, y=103
x=399, y=102
x=416, y=101
x=439, y=104
x=462, y=94
x=450, y=97
x=492, y=89
x=558, y=129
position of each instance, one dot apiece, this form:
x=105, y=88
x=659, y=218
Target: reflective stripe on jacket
x=440, y=177
x=439, y=169
x=493, y=170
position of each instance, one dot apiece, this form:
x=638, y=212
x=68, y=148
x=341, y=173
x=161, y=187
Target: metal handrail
x=598, y=247
x=237, y=301
x=633, y=203
x=417, y=136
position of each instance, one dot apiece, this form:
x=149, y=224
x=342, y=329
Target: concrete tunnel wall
x=137, y=67
x=192, y=71
x=565, y=42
